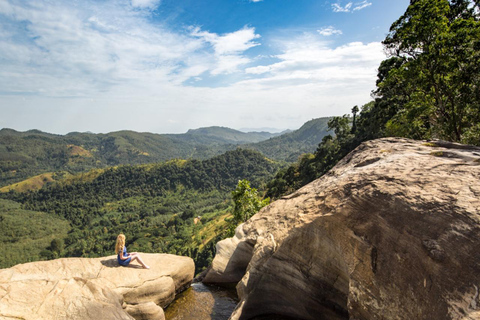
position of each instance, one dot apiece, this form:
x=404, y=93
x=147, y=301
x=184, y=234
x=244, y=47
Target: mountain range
x=30, y=153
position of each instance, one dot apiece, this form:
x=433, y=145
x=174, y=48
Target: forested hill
x=290, y=146
x=27, y=154
x=223, y=135
x=154, y=205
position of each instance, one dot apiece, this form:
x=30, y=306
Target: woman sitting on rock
x=125, y=258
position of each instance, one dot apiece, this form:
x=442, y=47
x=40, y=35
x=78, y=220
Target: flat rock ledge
x=391, y=232
x=98, y=288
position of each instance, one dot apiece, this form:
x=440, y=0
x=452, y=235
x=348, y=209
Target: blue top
x=125, y=254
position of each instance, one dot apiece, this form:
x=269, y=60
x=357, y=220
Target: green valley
x=179, y=206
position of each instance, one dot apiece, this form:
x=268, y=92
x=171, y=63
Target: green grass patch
x=30, y=184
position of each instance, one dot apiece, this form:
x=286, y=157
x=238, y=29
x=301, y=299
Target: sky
x=166, y=66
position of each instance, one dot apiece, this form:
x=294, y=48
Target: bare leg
x=137, y=257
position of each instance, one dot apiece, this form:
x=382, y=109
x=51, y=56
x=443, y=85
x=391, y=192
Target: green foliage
x=57, y=246
x=439, y=45
x=28, y=235
x=247, y=202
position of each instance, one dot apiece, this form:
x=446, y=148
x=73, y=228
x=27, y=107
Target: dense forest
x=428, y=88
x=180, y=207
x=25, y=235
x=31, y=153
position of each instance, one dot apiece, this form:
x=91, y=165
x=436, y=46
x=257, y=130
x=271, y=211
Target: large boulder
x=391, y=232
x=81, y=288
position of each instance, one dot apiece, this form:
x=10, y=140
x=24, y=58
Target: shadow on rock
x=112, y=263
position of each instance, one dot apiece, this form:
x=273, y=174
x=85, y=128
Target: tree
x=438, y=43
x=56, y=246
x=354, y=124
x=247, y=202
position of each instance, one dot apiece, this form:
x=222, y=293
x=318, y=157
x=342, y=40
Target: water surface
x=201, y=302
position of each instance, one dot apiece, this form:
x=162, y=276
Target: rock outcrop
x=81, y=288
x=391, y=232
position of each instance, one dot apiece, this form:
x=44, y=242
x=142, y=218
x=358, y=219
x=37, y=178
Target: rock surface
x=81, y=288
x=391, y=232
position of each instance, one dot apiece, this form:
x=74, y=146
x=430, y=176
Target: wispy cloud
x=310, y=60
x=228, y=48
x=362, y=5
x=151, y=4
x=338, y=8
x=57, y=49
x=65, y=50
x=230, y=43
x=350, y=6
x=328, y=31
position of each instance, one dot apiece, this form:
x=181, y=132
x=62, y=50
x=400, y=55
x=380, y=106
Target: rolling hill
x=289, y=146
x=31, y=153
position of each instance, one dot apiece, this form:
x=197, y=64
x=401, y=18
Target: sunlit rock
x=81, y=288
x=391, y=232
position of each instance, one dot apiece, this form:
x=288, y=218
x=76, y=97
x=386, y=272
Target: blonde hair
x=120, y=243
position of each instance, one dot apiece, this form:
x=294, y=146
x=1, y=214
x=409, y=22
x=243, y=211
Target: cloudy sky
x=166, y=66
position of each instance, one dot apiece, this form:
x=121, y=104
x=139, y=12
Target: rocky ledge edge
x=391, y=232
x=93, y=288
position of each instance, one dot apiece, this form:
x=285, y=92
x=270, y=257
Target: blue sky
x=171, y=65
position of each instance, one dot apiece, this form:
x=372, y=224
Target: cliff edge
x=391, y=232
x=81, y=288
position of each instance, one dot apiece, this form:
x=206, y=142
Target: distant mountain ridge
x=290, y=145
x=30, y=153
x=224, y=135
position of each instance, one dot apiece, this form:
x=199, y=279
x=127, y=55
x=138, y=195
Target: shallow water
x=201, y=302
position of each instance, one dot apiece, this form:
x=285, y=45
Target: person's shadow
x=112, y=263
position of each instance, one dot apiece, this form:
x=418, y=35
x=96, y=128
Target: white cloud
x=76, y=51
x=310, y=60
x=338, y=8
x=350, y=7
x=255, y=0
x=151, y=4
x=328, y=31
x=362, y=5
x=229, y=48
x=230, y=43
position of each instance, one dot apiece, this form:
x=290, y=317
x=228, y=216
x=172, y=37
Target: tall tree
x=354, y=123
x=247, y=201
x=439, y=43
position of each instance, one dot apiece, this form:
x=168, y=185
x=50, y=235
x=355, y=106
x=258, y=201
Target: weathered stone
x=80, y=288
x=161, y=291
x=231, y=261
x=391, y=232
x=146, y=311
